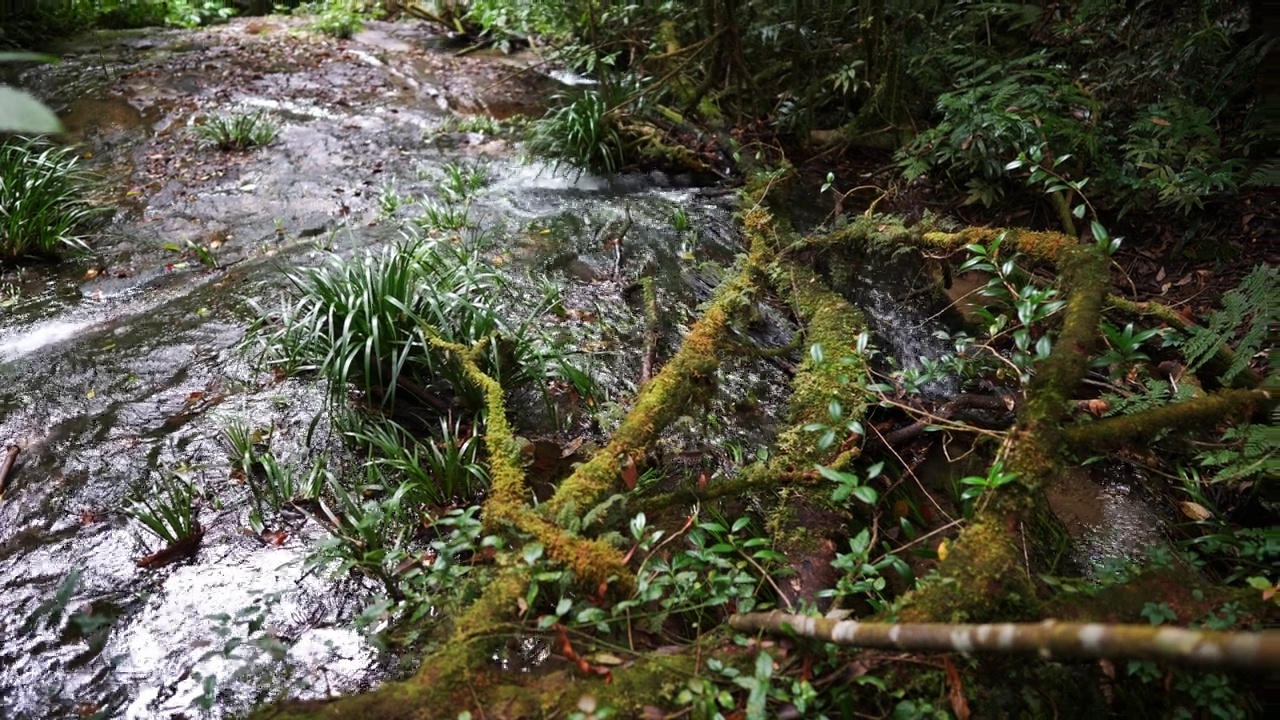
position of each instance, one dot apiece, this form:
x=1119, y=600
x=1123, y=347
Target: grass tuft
x=365, y=321
x=237, y=131
x=42, y=205
x=168, y=510
x=581, y=133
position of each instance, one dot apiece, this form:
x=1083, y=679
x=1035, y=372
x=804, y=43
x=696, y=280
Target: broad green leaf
x=867, y=495
x=836, y=475
x=20, y=112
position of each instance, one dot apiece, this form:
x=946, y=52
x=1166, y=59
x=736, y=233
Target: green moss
x=833, y=323
x=1114, y=433
x=983, y=579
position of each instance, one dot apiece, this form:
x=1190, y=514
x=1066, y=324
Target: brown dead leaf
x=1195, y=511
x=630, y=473
x=955, y=690
x=572, y=446
x=1160, y=276
x=1160, y=121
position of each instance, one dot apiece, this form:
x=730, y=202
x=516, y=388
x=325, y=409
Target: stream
x=125, y=365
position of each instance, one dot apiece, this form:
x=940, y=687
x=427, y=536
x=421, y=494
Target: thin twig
x=910, y=472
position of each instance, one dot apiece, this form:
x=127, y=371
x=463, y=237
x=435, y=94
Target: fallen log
x=1050, y=639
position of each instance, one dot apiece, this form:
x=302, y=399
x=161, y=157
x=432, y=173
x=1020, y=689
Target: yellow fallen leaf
x=604, y=658
x=943, y=550
x=1194, y=511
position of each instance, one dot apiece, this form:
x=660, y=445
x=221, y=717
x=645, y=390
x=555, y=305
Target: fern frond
x=1247, y=314
x=1251, y=451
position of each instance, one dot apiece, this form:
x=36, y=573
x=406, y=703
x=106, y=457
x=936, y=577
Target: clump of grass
x=42, y=201
x=581, y=133
x=463, y=180
x=168, y=510
x=439, y=470
x=478, y=124
x=237, y=131
x=443, y=216
x=366, y=322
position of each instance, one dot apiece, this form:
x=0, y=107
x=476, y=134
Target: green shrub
x=337, y=18
x=194, y=13
x=237, y=131
x=42, y=204
x=1007, y=109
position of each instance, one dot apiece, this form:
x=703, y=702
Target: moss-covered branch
x=1206, y=411
x=594, y=563
x=687, y=378
x=1049, y=639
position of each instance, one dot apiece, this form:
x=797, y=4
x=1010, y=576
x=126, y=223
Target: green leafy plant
x=975, y=486
x=863, y=577
x=237, y=131
x=1014, y=297
x=1001, y=110
x=1124, y=347
x=850, y=485
x=42, y=200
x=194, y=13
x=337, y=18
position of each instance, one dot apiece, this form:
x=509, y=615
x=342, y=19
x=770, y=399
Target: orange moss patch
x=1041, y=246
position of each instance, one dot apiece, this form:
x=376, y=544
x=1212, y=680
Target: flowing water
x=118, y=369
